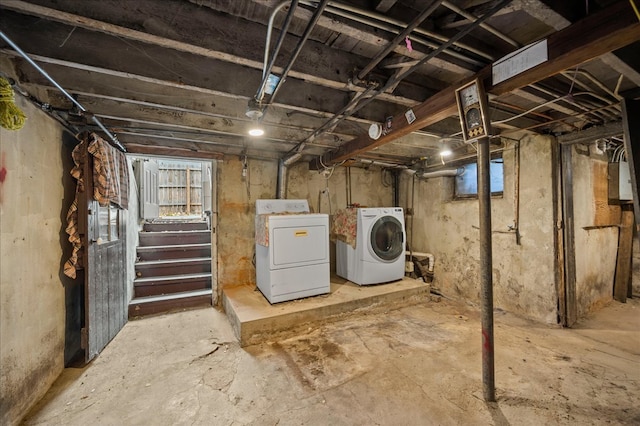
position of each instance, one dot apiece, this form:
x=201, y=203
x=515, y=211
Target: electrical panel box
x=619, y=183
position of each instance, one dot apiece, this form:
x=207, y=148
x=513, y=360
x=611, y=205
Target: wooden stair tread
x=172, y=296
x=173, y=261
x=183, y=277
x=174, y=246
x=194, y=231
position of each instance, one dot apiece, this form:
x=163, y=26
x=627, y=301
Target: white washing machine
x=379, y=254
x=292, y=250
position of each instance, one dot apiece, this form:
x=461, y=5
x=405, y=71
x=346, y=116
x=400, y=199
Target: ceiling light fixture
x=445, y=150
x=256, y=131
x=254, y=112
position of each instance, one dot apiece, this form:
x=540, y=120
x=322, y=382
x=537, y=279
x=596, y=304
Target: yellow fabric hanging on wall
x=11, y=117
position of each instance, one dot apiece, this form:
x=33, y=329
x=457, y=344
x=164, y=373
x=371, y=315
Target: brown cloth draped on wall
x=110, y=173
x=110, y=184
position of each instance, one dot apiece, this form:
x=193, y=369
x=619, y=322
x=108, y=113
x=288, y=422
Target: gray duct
x=439, y=173
x=281, y=184
x=283, y=164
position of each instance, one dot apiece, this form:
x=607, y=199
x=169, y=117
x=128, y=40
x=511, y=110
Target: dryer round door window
x=387, y=238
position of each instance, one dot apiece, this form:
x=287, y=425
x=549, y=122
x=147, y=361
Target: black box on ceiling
x=619, y=183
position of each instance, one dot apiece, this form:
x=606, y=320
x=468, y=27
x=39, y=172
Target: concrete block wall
x=237, y=196
x=32, y=293
x=524, y=275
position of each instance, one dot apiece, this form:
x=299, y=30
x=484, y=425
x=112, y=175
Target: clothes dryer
x=292, y=250
x=379, y=253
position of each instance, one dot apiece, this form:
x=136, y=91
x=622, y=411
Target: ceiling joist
x=597, y=34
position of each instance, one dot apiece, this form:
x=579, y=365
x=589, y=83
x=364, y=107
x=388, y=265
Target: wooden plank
x=623, y=264
x=569, y=236
x=173, y=152
x=612, y=28
x=597, y=34
x=605, y=214
x=558, y=234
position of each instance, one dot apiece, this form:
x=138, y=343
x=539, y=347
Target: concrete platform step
x=177, y=251
x=158, y=268
x=255, y=321
x=156, y=286
x=165, y=238
x=175, y=225
x=142, y=306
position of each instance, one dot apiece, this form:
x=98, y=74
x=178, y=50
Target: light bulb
x=445, y=152
x=256, y=132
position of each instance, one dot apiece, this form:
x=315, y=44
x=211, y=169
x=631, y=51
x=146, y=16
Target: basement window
x=466, y=185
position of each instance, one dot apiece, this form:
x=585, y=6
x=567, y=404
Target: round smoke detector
x=375, y=131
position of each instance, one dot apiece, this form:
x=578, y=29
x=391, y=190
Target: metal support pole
x=486, y=270
x=281, y=185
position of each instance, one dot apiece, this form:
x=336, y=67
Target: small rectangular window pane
x=103, y=223
x=466, y=185
x=114, y=220
x=108, y=223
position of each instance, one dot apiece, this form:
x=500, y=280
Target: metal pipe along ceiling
x=355, y=105
x=307, y=32
x=396, y=41
x=285, y=27
x=375, y=20
x=22, y=53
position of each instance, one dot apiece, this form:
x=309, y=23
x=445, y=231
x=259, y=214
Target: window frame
x=496, y=158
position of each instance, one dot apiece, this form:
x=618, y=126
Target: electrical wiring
x=635, y=8
x=552, y=101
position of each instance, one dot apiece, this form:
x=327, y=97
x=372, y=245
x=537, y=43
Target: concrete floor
x=414, y=365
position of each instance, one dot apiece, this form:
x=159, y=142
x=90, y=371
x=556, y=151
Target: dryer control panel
x=281, y=206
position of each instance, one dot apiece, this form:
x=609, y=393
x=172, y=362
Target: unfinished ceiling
x=178, y=77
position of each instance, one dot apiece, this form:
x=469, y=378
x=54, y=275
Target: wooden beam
x=172, y=152
x=590, y=135
x=610, y=29
x=306, y=67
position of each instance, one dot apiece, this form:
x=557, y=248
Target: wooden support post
x=571, y=307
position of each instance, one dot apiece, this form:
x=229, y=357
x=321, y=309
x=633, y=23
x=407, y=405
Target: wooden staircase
x=173, y=267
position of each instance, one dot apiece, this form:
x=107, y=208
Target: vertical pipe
x=348, y=184
x=486, y=269
x=516, y=193
x=282, y=180
x=396, y=188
